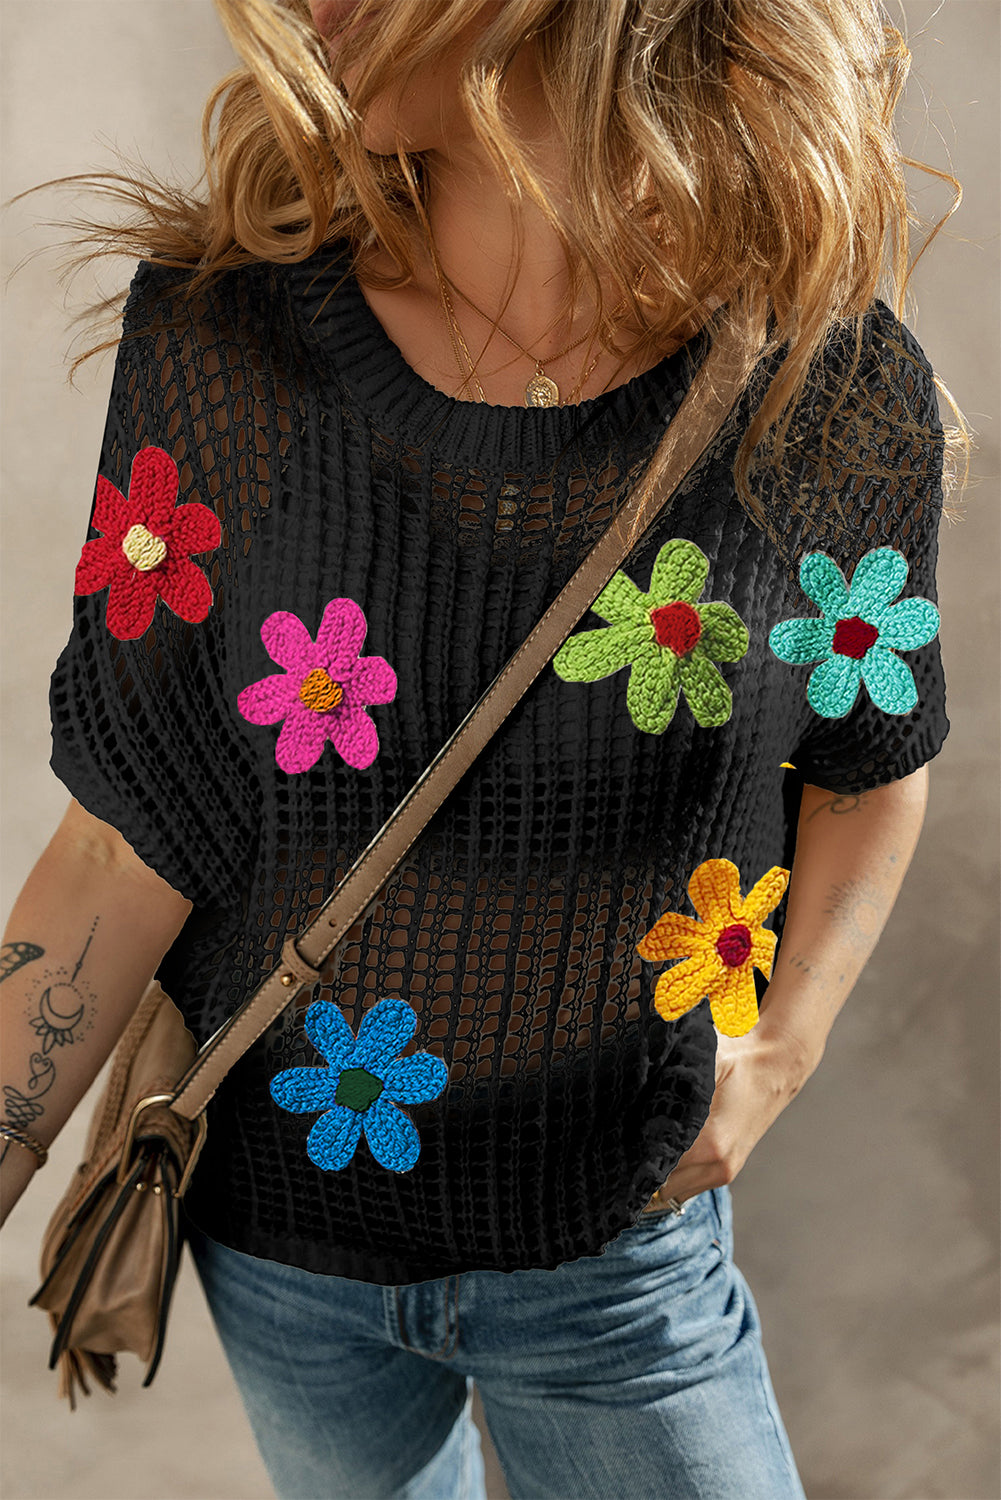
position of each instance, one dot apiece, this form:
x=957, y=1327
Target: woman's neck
x=474, y=235
x=473, y=227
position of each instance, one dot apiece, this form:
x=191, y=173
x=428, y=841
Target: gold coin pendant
x=541, y=391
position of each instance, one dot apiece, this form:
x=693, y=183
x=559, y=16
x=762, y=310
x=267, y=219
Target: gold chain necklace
x=536, y=392
x=541, y=389
x=455, y=333
x=583, y=379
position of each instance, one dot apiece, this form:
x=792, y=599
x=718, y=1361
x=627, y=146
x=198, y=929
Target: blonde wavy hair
x=730, y=148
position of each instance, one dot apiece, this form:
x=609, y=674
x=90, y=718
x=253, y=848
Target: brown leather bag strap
x=716, y=386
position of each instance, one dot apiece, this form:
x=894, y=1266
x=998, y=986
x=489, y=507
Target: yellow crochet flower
x=720, y=950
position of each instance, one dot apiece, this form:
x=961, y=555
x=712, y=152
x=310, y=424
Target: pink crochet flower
x=322, y=692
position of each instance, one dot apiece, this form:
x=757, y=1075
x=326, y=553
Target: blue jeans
x=633, y=1374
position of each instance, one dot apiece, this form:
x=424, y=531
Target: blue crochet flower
x=362, y=1085
x=858, y=634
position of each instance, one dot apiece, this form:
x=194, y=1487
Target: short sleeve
x=870, y=658
x=138, y=735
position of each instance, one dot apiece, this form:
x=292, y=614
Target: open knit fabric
x=428, y=534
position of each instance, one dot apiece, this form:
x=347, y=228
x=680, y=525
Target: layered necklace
x=541, y=389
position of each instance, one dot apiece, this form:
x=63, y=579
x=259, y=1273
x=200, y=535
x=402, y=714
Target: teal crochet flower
x=669, y=640
x=858, y=634
x=362, y=1085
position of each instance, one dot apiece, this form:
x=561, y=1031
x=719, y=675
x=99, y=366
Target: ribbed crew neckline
x=345, y=335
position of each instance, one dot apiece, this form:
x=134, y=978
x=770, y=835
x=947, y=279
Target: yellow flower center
x=319, y=691
x=143, y=550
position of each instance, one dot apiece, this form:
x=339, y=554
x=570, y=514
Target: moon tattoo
x=55, y=1022
x=55, y=1027
x=61, y=1009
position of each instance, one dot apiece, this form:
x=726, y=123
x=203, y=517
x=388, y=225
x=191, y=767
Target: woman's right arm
x=84, y=939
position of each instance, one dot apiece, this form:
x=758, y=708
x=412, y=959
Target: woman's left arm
x=852, y=853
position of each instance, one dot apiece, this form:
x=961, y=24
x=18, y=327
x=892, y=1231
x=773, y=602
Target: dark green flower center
x=357, y=1089
x=853, y=637
x=677, y=626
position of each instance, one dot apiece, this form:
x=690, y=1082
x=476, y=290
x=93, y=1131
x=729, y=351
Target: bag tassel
x=74, y=1365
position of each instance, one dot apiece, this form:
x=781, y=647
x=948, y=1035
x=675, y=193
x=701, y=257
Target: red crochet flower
x=145, y=546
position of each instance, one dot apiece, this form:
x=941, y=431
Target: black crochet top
x=303, y=566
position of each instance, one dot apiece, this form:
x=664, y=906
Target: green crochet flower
x=668, y=639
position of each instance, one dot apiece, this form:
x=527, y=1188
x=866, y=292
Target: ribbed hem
x=922, y=747
x=365, y=1263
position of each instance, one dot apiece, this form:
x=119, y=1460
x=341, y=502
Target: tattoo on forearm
x=60, y=1020
x=798, y=961
x=855, y=904
x=22, y=1108
x=14, y=956
x=840, y=804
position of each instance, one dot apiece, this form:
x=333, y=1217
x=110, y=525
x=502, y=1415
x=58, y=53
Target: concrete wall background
x=867, y=1218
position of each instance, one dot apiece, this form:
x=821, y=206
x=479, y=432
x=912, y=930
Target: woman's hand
x=756, y=1077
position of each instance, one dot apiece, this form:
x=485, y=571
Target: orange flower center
x=676, y=626
x=143, y=550
x=734, y=944
x=319, y=691
x=853, y=637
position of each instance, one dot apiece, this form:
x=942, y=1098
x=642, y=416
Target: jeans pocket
x=719, y=1202
x=694, y=1208
x=676, y=1249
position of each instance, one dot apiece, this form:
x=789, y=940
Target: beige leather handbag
x=111, y=1252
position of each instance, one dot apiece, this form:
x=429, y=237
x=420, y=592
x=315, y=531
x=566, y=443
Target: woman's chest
x=376, y=609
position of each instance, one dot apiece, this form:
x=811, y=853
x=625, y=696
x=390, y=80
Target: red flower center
x=734, y=944
x=853, y=637
x=677, y=626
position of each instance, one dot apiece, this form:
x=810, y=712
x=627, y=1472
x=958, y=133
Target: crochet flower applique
x=666, y=637
x=858, y=633
x=719, y=950
x=362, y=1085
x=145, y=548
x=323, y=690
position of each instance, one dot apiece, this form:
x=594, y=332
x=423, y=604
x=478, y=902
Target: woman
x=457, y=266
